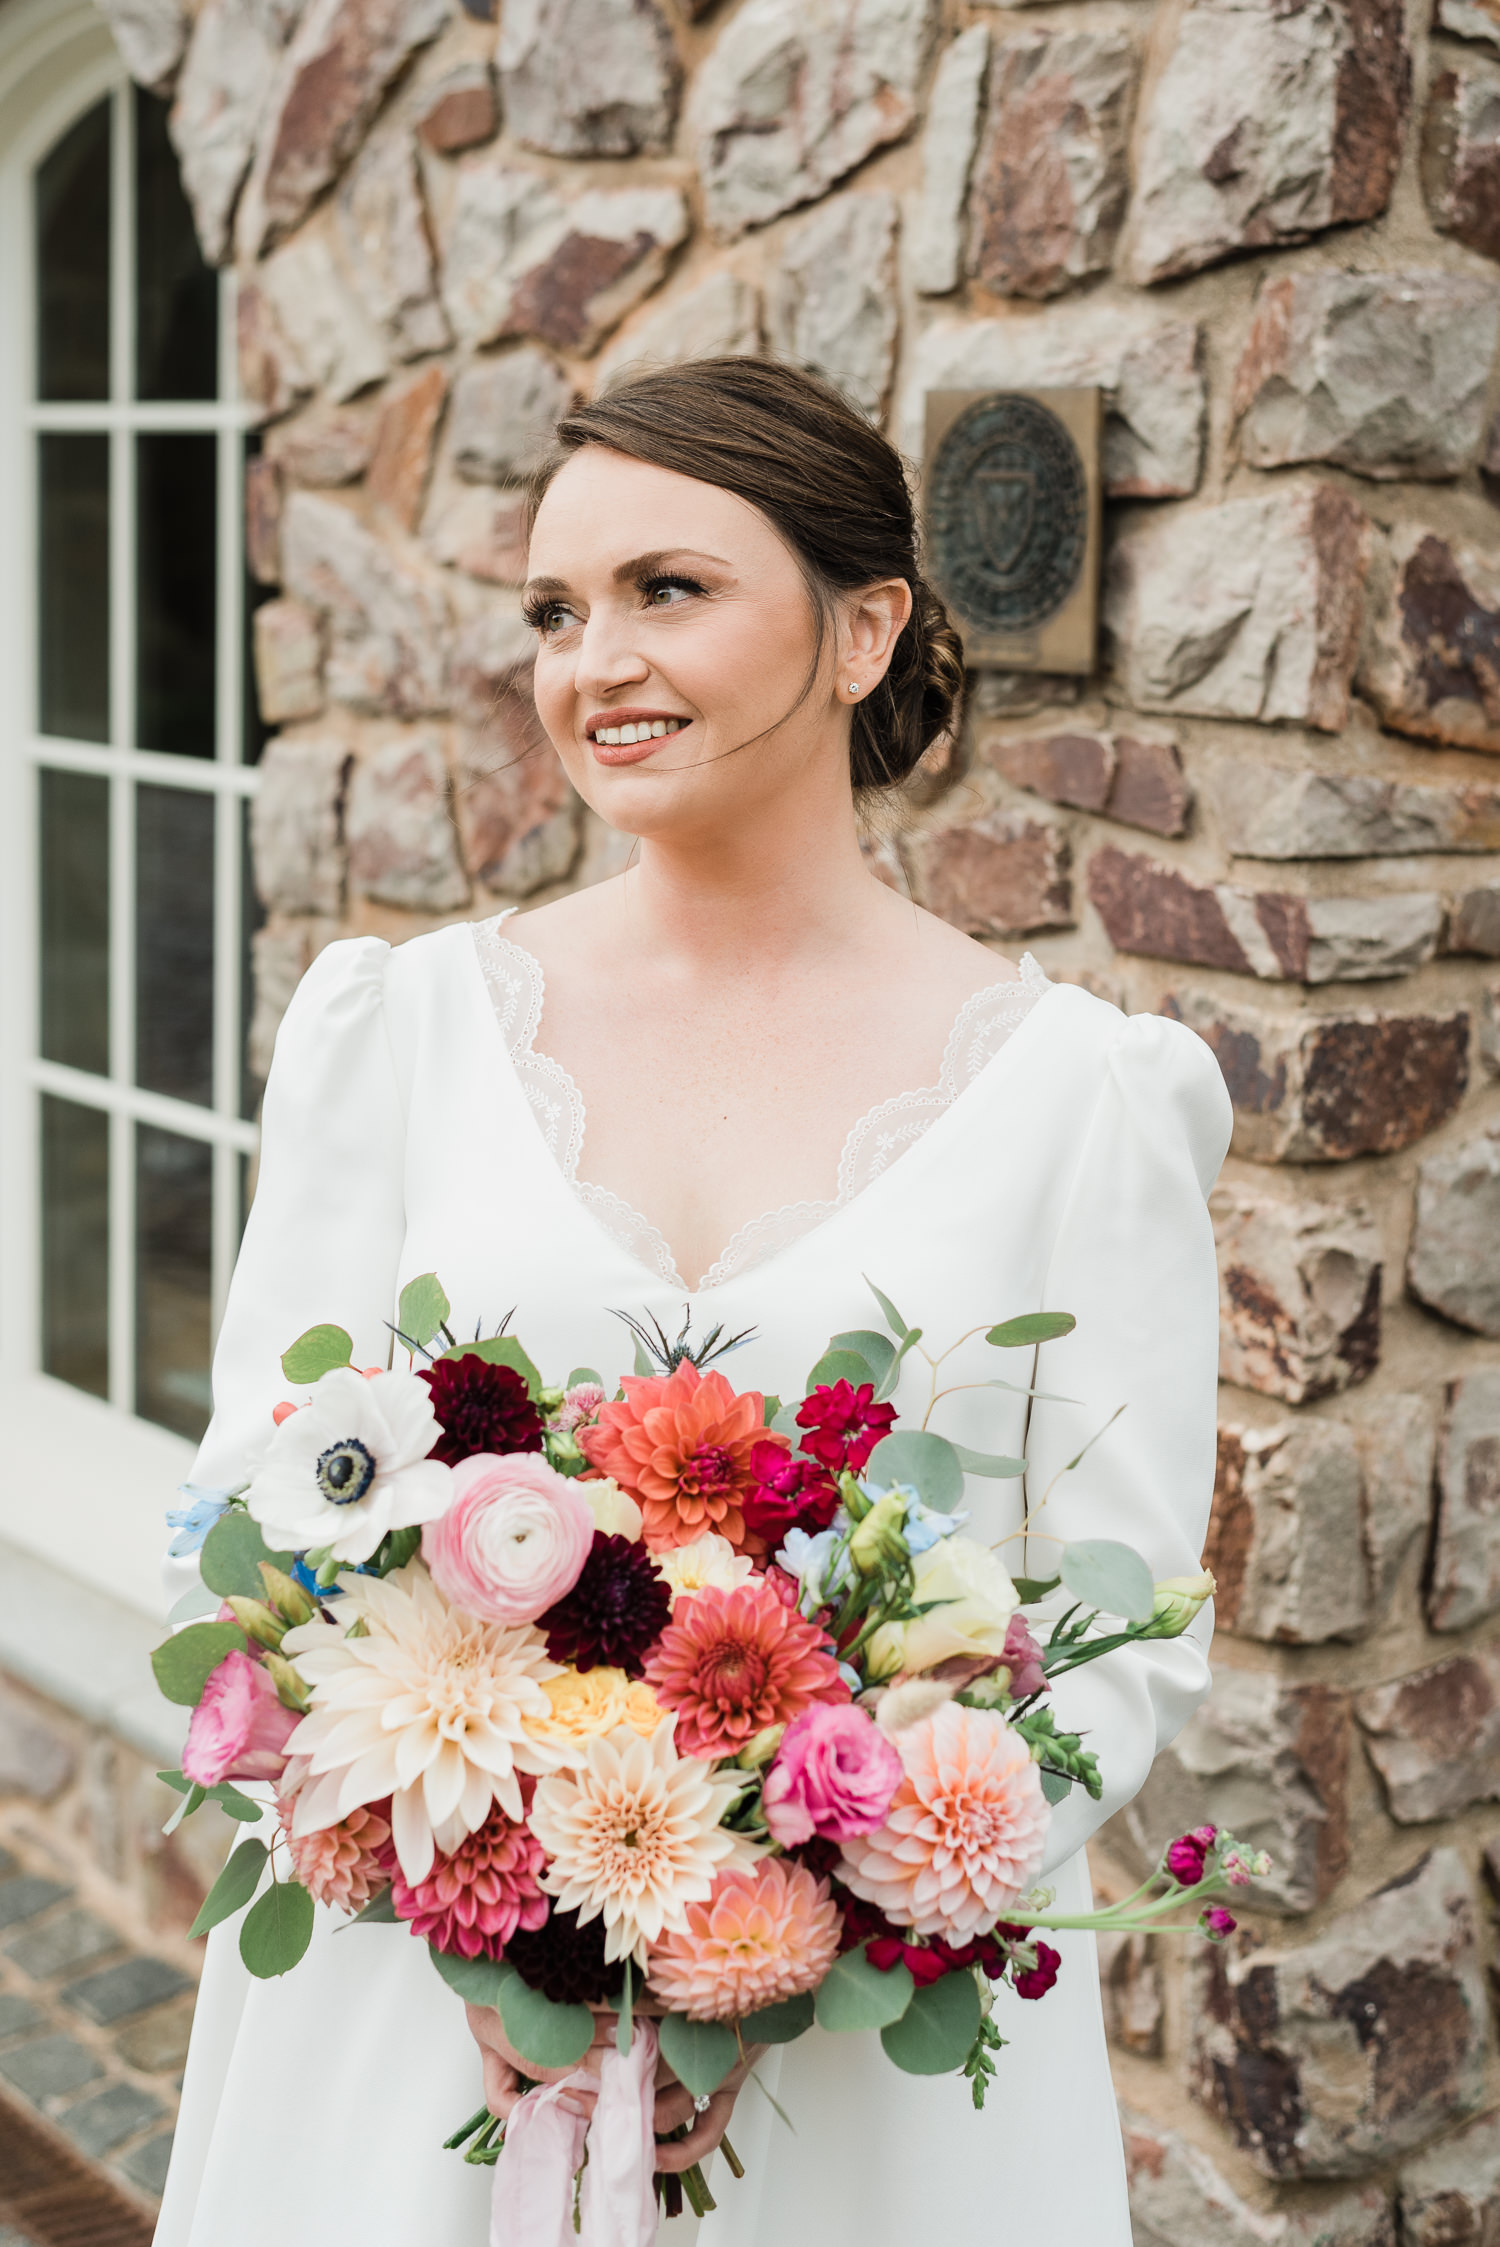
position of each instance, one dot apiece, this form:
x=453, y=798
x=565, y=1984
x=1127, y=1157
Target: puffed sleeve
x=326, y=1227
x=1134, y=1262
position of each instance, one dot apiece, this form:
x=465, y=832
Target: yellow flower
x=585, y=1702
x=978, y=1600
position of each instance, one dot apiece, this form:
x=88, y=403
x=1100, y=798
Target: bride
x=742, y=1075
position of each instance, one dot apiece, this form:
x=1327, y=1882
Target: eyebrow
x=639, y=566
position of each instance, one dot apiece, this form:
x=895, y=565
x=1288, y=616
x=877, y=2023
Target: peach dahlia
x=764, y=1934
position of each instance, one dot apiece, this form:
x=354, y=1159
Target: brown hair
x=835, y=489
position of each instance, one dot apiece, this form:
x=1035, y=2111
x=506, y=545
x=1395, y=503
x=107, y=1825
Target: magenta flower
x=1217, y=1923
x=790, y=1493
x=835, y=1774
x=1188, y=1854
x=239, y=1729
x=1022, y=1656
x=843, y=1425
x=472, y=1901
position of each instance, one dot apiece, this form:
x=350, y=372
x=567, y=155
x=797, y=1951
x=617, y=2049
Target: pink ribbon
x=545, y=2143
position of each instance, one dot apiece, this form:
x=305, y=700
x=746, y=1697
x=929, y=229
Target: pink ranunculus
x=514, y=1540
x=239, y=1729
x=1023, y=1658
x=834, y=1774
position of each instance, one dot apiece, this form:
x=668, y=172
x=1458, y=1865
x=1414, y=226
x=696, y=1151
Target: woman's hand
x=675, y=2105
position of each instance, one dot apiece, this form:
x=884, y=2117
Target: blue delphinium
x=193, y=1521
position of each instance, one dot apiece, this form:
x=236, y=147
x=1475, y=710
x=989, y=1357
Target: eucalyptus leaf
x=935, y=2034
x=503, y=1349
x=990, y=1463
x=476, y=1980
x=315, y=1353
x=888, y=1311
x=1030, y=1328
x=191, y=1801
x=699, y=2053
x=770, y=1408
x=550, y=2036
x=1031, y=1589
x=380, y=1911
x=779, y=2024
x=184, y=1664
x=920, y=1461
x=193, y=1605
x=232, y=1553
x=643, y=1365
x=234, y=1804
x=878, y=1353
x=785, y=1422
x=887, y=1387
x=234, y=1887
x=856, y=1995
x=837, y=1365
x=1055, y=1784
x=178, y=1781
x=1105, y=1574
x=423, y=1309
x=277, y=1930
x=584, y=1375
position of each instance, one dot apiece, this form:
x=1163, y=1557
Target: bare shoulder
x=949, y=963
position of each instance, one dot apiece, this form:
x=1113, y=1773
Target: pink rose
x=514, y=1540
x=239, y=1729
x=834, y=1774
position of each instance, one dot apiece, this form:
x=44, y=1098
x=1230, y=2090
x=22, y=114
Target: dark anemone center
x=345, y=1471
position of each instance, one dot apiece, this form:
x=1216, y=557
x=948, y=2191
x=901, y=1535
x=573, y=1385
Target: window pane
x=75, y=920
x=174, y=1235
x=175, y=593
x=253, y=916
x=177, y=295
x=73, y=589
x=75, y=1245
x=174, y=941
x=72, y=262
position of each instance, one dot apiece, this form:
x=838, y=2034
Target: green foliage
x=582, y=1374
x=503, y=1349
x=315, y=1353
x=878, y=1353
x=476, y=1980
x=550, y=2036
x=979, y=2067
x=837, y=1365
x=1031, y=1328
x=935, y=2033
x=1064, y=1759
x=920, y=1461
x=232, y=1553
x=699, y=2053
x=991, y=1463
x=888, y=1311
x=1108, y=1575
x=234, y=1887
x=779, y=2024
x=184, y=1664
x=1031, y=1589
x=396, y=1548
x=380, y=1911
x=856, y=1995
x=233, y=1803
x=423, y=1309
x=277, y=1930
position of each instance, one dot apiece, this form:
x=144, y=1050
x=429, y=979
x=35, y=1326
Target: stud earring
x=854, y=686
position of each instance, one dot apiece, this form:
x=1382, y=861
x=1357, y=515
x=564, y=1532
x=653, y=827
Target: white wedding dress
x=1062, y=1162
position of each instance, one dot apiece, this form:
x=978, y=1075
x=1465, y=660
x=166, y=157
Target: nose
x=607, y=658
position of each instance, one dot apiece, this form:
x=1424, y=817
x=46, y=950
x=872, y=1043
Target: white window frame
x=83, y=1483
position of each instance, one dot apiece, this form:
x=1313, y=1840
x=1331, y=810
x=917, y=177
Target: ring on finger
x=701, y=2104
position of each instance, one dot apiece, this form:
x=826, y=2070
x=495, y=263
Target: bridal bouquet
x=691, y=1705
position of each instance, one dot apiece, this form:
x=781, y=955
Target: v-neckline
x=582, y=1194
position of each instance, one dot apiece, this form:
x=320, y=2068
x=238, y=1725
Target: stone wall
x=1270, y=230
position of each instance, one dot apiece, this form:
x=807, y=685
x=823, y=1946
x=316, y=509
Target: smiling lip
x=629, y=752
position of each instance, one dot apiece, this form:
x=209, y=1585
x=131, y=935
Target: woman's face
x=676, y=636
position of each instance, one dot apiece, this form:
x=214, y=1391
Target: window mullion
x=229, y=917
x=122, y=626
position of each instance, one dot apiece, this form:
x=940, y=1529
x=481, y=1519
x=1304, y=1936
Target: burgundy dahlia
x=566, y=1962
x=614, y=1614
x=790, y=1492
x=480, y=1408
x=843, y=1425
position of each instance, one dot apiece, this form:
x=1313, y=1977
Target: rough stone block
x=1269, y=1761
x=525, y=258
x=1136, y=778
x=502, y=413
x=1489, y=1030
x=1267, y=811
x=518, y=817
x=402, y=847
x=62, y=1944
x=999, y=875
x=1179, y=2199
x=280, y=955
x=1454, y=1263
x=1489, y=459
x=331, y=342
x=226, y=80
x=1465, y=1576
x=1434, y=1737
x=797, y=92
x=1267, y=125
x=1323, y=1088
x=1148, y=368
x=116, y=1991
x=1329, y=2057
x=1050, y=182
x=151, y=36
x=288, y=662
x=342, y=57
x=147, y=2165
x=18, y=2015
x=1468, y=19
x=1450, y=2194
x=935, y=234
x=157, y=2042
x=1432, y=655
x=480, y=532
x=1286, y=1537
x=720, y=318
x=1130, y=1985
x=1396, y=1439
x=460, y=111
x=404, y=437
x=589, y=77
x=49, y=2067
x=1384, y=373
x=387, y=619
x=105, y=2119
x=324, y=446
x=833, y=298
x=493, y=653
x=296, y=824
x=272, y=377
x=1250, y=609
x=382, y=216
x=1299, y=1294
x=1461, y=158
x=36, y=1755
x=27, y=1895
x=263, y=496
x=1474, y=923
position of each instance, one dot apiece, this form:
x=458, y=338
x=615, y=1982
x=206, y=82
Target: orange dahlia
x=964, y=1834
x=731, y=1663
x=762, y=1936
x=680, y=1443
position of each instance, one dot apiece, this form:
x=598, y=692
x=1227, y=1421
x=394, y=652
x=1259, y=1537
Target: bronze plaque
x=1011, y=501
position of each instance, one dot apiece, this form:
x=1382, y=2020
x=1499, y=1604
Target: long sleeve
x=326, y=1228
x=1134, y=1262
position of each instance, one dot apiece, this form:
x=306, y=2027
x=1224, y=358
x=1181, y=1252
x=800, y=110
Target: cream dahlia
x=339, y=1865
x=733, y=1663
x=432, y=1707
x=633, y=1834
x=763, y=1935
x=964, y=1834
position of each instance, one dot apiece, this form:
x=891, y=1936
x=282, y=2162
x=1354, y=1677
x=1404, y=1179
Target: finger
x=708, y=2128
x=673, y=2105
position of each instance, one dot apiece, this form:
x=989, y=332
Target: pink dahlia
x=729, y=1664
x=472, y=1902
x=343, y=1865
x=763, y=1935
x=964, y=1836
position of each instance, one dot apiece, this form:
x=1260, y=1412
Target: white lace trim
x=517, y=991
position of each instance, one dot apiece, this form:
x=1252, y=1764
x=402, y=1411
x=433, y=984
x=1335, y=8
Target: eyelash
x=537, y=612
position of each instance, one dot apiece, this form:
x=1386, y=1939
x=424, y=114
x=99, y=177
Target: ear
x=875, y=620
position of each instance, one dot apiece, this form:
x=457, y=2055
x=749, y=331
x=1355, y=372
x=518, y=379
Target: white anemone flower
x=633, y=1833
x=351, y=1465
x=430, y=1705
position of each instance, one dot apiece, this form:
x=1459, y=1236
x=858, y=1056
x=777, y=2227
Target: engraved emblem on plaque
x=1012, y=511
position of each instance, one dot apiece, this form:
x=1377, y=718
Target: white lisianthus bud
x=977, y=1601
x=1177, y=1600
